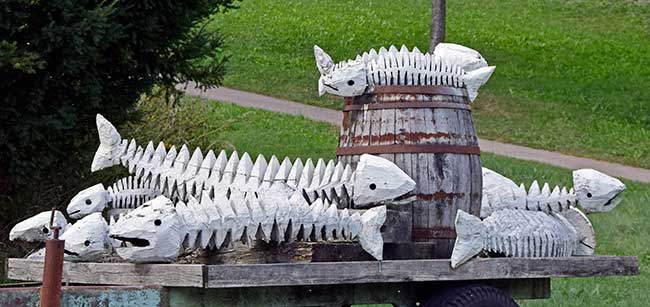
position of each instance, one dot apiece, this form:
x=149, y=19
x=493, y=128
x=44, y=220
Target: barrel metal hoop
x=433, y=233
x=424, y=89
x=406, y=105
x=399, y=148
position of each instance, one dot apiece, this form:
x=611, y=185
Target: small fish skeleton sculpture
x=513, y=233
x=373, y=181
x=449, y=65
x=593, y=191
x=85, y=240
x=126, y=193
x=37, y=227
x=157, y=231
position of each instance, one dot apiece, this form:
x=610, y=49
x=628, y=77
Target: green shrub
x=61, y=62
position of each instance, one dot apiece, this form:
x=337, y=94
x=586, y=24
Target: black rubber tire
x=472, y=296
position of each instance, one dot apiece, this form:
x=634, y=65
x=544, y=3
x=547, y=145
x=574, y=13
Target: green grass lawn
x=621, y=232
x=572, y=76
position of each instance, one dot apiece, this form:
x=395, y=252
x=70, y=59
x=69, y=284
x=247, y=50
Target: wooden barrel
x=429, y=133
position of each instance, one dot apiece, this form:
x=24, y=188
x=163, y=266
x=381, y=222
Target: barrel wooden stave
x=446, y=182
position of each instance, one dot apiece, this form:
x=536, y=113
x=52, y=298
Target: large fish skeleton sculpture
x=177, y=174
x=538, y=223
x=592, y=192
x=157, y=231
x=514, y=233
x=449, y=65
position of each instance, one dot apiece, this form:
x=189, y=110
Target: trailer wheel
x=472, y=296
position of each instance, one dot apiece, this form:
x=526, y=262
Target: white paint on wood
x=37, y=228
x=509, y=232
x=450, y=65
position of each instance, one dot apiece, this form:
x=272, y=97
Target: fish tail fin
x=370, y=235
x=470, y=234
x=476, y=78
x=108, y=152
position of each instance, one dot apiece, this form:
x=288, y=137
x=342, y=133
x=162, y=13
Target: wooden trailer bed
x=400, y=282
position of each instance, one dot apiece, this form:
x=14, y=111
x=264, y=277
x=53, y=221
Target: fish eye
x=86, y=243
x=157, y=222
x=372, y=186
x=589, y=195
x=45, y=230
x=350, y=82
x=88, y=201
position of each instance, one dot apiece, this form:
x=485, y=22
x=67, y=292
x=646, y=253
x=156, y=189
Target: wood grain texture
x=228, y=276
x=445, y=182
x=327, y=273
x=167, y=275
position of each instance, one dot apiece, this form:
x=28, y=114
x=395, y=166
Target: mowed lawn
x=621, y=232
x=572, y=76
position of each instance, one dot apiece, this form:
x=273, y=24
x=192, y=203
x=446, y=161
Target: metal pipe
x=53, y=268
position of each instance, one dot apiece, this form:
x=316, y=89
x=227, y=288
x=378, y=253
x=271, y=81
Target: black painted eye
x=88, y=201
x=373, y=186
x=87, y=243
x=45, y=230
x=351, y=82
x=157, y=222
x=589, y=195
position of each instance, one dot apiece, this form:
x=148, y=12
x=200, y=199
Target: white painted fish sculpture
x=514, y=233
x=593, y=191
x=157, y=231
x=86, y=240
x=177, y=175
x=37, y=228
x=450, y=65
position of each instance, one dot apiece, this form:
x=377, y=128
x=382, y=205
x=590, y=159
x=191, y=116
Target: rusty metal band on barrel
x=433, y=233
x=425, y=89
x=406, y=105
x=417, y=148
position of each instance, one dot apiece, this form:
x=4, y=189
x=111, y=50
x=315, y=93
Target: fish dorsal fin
x=244, y=169
x=257, y=172
x=293, y=180
x=271, y=171
x=206, y=166
x=218, y=168
x=230, y=169
x=283, y=171
x=307, y=174
x=194, y=164
x=180, y=163
x=319, y=171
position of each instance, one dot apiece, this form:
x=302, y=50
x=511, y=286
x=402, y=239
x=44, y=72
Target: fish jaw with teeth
x=597, y=192
x=90, y=200
x=152, y=232
x=37, y=228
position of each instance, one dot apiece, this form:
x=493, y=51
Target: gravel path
x=252, y=100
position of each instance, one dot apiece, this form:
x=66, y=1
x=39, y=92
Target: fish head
x=152, y=232
x=37, y=228
x=597, y=192
x=90, y=200
x=347, y=79
x=87, y=239
x=379, y=181
x=467, y=58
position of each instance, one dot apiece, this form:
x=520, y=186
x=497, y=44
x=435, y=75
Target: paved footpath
x=252, y=100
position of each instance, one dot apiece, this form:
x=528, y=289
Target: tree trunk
x=437, y=24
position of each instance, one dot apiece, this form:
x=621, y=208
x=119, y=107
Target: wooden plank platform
x=166, y=275
x=327, y=273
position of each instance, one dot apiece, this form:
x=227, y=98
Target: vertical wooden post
x=438, y=24
x=52, y=269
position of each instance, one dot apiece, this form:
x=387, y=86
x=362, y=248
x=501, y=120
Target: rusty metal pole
x=53, y=268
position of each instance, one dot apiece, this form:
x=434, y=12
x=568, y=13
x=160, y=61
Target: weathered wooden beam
x=226, y=276
x=327, y=273
x=166, y=275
